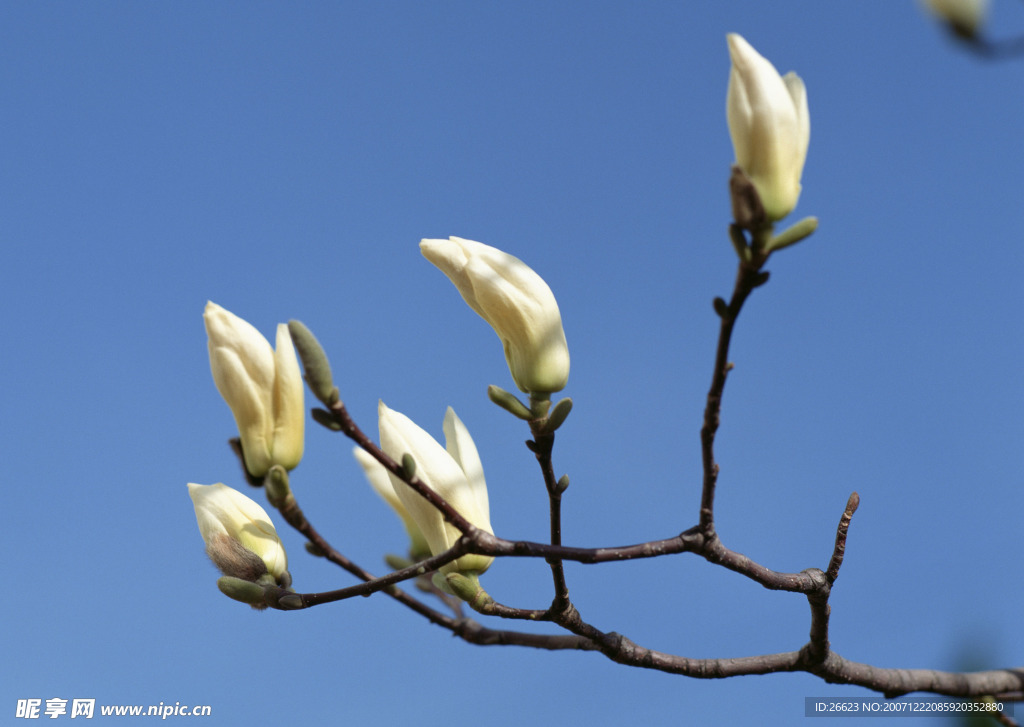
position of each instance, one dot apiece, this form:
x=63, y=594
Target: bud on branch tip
x=770, y=127
x=558, y=415
x=261, y=385
x=315, y=364
x=454, y=472
x=242, y=590
x=240, y=538
x=792, y=235
x=516, y=302
x=509, y=402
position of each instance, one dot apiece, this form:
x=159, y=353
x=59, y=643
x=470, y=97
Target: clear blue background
x=284, y=160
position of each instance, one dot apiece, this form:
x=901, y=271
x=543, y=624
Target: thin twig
x=542, y=446
x=840, y=548
x=815, y=657
x=748, y=277
x=466, y=629
x=353, y=432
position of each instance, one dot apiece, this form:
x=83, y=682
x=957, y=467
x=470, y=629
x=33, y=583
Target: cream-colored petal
x=223, y=511
x=769, y=124
x=399, y=435
x=289, y=407
x=263, y=388
x=379, y=480
x=516, y=302
x=460, y=445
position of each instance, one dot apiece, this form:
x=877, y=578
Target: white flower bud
x=770, y=126
x=240, y=539
x=381, y=484
x=455, y=473
x=517, y=303
x=262, y=386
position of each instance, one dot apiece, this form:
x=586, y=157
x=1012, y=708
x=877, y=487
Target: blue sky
x=285, y=160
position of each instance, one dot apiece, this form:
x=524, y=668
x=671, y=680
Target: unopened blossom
x=262, y=386
x=517, y=303
x=240, y=538
x=454, y=472
x=770, y=126
x=379, y=480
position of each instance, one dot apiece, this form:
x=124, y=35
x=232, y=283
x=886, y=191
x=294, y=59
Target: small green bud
x=242, y=590
x=462, y=586
x=509, y=402
x=291, y=601
x=408, y=466
x=562, y=485
x=325, y=419
x=276, y=484
x=792, y=235
x=314, y=550
x=557, y=416
x=314, y=363
x=467, y=587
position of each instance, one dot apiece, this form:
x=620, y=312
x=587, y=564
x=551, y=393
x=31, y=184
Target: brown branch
x=896, y=682
x=840, y=548
x=484, y=543
x=1005, y=683
x=373, y=585
x=352, y=431
x=490, y=607
x=748, y=277
x=467, y=629
x=833, y=669
x=474, y=633
x=815, y=657
x=542, y=445
x=714, y=552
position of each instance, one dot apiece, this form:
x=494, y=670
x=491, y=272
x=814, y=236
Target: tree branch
x=542, y=445
x=815, y=657
x=748, y=277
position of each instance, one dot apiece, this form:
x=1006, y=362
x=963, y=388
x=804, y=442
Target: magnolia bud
x=455, y=473
x=262, y=386
x=517, y=303
x=381, y=484
x=240, y=539
x=770, y=127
